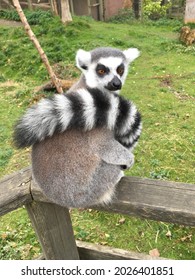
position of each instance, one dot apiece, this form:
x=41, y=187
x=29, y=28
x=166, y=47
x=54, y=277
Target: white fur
x=107, y=197
x=131, y=54
x=94, y=81
x=130, y=120
x=89, y=108
x=43, y=113
x=64, y=107
x=130, y=139
x=83, y=58
x=113, y=112
x=111, y=62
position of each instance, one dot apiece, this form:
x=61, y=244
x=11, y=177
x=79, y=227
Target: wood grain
x=15, y=191
x=53, y=227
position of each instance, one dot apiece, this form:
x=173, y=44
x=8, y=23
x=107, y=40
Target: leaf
x=103, y=243
x=168, y=234
x=121, y=221
x=186, y=238
x=154, y=253
x=4, y=235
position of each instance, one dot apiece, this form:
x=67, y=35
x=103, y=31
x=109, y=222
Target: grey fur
x=98, y=53
x=79, y=169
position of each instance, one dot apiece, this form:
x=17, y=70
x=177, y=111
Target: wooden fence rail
x=146, y=198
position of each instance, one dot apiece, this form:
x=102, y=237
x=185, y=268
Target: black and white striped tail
x=84, y=109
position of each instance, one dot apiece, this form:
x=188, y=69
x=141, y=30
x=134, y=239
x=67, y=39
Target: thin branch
x=36, y=43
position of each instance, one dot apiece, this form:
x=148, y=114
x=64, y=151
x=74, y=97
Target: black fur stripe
x=102, y=105
x=124, y=109
x=130, y=144
x=137, y=122
x=78, y=120
x=135, y=126
x=22, y=137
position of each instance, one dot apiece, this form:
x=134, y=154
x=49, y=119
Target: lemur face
x=105, y=68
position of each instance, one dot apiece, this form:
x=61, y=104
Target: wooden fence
x=152, y=199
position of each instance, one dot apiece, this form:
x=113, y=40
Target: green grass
x=161, y=83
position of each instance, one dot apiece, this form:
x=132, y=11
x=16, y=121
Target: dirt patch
x=166, y=81
x=9, y=83
x=183, y=96
x=9, y=87
x=10, y=23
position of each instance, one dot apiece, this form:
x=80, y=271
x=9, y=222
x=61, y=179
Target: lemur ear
x=83, y=59
x=131, y=54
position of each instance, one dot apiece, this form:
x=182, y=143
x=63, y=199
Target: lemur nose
x=116, y=83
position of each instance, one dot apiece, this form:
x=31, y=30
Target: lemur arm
x=83, y=109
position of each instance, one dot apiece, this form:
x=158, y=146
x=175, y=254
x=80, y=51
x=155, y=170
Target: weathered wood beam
x=53, y=227
x=90, y=251
x=15, y=191
x=154, y=199
x=43, y=6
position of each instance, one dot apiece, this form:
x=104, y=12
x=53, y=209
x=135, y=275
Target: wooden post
x=30, y=5
x=190, y=11
x=53, y=227
x=72, y=7
x=137, y=6
x=101, y=10
x=89, y=7
x=54, y=7
x=65, y=11
x=140, y=9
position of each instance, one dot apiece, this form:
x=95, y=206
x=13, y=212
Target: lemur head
x=105, y=68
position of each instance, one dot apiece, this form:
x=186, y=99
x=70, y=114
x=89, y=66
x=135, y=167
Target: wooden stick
x=37, y=45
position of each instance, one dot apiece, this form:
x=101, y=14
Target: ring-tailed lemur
x=91, y=103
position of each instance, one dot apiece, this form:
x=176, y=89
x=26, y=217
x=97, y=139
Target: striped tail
x=84, y=109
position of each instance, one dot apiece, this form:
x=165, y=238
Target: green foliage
x=123, y=16
x=160, y=174
x=17, y=240
x=60, y=49
x=175, y=24
x=33, y=17
x=154, y=10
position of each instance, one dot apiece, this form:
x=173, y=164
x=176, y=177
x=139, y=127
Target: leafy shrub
x=33, y=17
x=154, y=10
x=124, y=16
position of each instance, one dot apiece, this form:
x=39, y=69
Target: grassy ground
x=161, y=83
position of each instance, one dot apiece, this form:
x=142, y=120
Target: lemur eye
x=101, y=71
x=120, y=70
